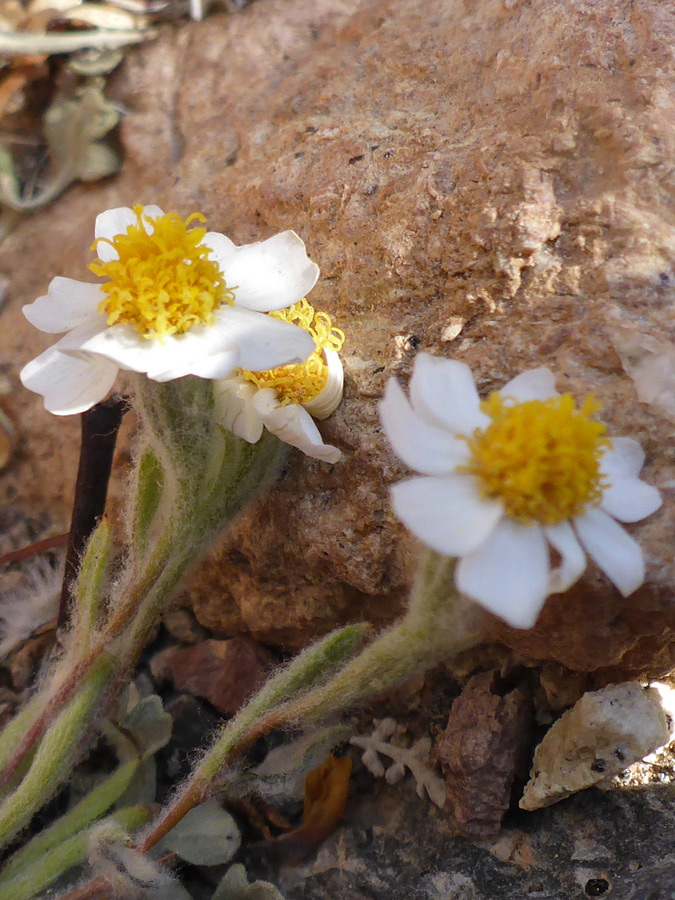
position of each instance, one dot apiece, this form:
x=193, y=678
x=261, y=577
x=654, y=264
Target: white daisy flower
x=284, y=399
x=505, y=480
x=175, y=301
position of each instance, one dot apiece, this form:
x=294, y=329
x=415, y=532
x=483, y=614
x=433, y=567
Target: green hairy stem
x=31, y=880
x=56, y=754
x=91, y=807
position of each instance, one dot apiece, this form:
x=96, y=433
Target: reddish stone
x=486, y=743
x=225, y=673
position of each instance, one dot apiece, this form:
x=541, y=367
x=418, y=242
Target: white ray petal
x=69, y=384
x=445, y=513
x=240, y=337
x=293, y=425
x=211, y=365
x=509, y=573
x=235, y=409
x=271, y=274
x=67, y=304
x=573, y=558
x=221, y=246
x=613, y=550
x=262, y=341
x=443, y=392
x=328, y=398
x=629, y=499
x=423, y=447
x=535, y=384
x=625, y=457
x=116, y=221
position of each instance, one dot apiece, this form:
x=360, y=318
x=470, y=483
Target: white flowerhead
x=285, y=398
x=175, y=301
x=503, y=479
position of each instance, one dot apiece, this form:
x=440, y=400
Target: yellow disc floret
x=540, y=458
x=162, y=281
x=302, y=383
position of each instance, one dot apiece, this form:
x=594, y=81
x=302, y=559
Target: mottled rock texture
x=485, y=745
x=491, y=181
x=225, y=673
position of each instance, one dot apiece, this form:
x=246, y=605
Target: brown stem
x=174, y=814
x=100, y=888
x=90, y=890
x=50, y=543
x=100, y=425
x=195, y=792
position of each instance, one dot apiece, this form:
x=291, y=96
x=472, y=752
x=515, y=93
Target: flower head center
x=540, y=458
x=162, y=281
x=305, y=381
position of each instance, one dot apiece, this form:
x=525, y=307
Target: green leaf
x=306, y=670
x=206, y=836
x=7, y=170
x=92, y=574
x=235, y=886
x=143, y=786
x=93, y=805
x=171, y=891
x=52, y=761
x=148, y=497
x=149, y=725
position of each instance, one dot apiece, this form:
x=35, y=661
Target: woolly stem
x=71, y=852
x=438, y=625
x=305, y=670
x=54, y=757
x=52, y=699
x=227, y=475
x=93, y=805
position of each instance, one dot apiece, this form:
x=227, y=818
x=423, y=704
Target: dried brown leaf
x=326, y=794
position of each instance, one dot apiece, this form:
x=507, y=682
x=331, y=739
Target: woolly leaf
x=235, y=886
x=206, y=836
x=149, y=725
x=282, y=772
x=92, y=573
x=149, y=495
x=142, y=788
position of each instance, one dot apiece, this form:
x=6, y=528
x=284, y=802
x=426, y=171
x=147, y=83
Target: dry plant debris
x=54, y=56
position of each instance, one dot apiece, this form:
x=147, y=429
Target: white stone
x=605, y=732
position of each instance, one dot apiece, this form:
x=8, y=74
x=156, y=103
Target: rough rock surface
x=225, y=673
x=392, y=846
x=489, y=181
x=485, y=745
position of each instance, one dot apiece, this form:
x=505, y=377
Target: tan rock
x=603, y=734
x=183, y=627
x=492, y=182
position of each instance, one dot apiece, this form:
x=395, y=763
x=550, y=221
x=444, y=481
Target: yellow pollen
x=161, y=283
x=302, y=383
x=541, y=458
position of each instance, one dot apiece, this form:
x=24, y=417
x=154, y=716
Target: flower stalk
x=210, y=476
x=438, y=625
